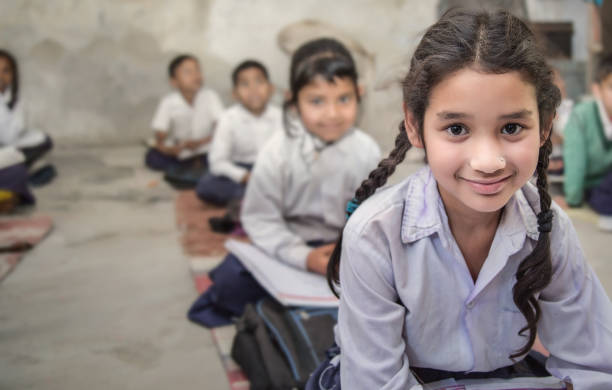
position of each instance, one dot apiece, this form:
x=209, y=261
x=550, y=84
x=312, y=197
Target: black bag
x=278, y=348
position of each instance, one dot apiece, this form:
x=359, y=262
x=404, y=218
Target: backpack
x=278, y=347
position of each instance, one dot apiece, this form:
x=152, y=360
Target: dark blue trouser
x=157, y=161
x=15, y=179
x=220, y=190
x=600, y=197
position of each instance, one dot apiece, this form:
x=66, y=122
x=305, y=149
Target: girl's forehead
x=472, y=90
x=321, y=84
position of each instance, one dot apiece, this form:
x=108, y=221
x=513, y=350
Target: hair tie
x=545, y=221
x=351, y=206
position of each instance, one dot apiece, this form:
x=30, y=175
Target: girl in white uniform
x=14, y=129
x=452, y=272
x=294, y=204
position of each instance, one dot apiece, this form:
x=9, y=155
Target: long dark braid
x=535, y=271
x=15, y=84
x=376, y=179
x=493, y=43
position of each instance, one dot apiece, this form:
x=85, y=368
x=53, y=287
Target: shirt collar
x=424, y=212
x=606, y=123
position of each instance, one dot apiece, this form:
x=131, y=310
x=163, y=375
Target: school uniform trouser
x=158, y=161
x=600, y=197
x=15, y=179
x=233, y=288
x=33, y=153
x=220, y=190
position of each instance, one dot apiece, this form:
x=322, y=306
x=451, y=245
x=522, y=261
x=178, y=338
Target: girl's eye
x=456, y=130
x=512, y=129
x=345, y=99
x=316, y=101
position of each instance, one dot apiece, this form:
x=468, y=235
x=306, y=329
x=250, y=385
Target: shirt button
x=470, y=304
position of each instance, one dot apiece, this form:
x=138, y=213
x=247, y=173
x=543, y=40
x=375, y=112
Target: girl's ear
x=412, y=129
x=173, y=83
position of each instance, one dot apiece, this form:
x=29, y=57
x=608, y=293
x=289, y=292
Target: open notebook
x=546, y=383
x=289, y=285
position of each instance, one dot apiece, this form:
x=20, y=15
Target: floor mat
x=205, y=249
x=20, y=231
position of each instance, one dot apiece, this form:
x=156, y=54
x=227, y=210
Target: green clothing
x=587, y=153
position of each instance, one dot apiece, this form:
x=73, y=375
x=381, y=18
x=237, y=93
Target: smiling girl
x=452, y=272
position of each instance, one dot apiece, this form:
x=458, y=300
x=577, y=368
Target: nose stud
x=502, y=160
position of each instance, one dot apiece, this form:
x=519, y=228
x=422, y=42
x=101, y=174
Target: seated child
x=587, y=150
x=14, y=189
x=451, y=273
x=240, y=133
x=303, y=177
x=184, y=119
x=14, y=130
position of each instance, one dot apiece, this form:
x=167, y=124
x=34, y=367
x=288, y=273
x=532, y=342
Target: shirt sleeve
x=576, y=322
x=370, y=320
x=220, y=155
x=262, y=210
x=574, y=160
x=161, y=119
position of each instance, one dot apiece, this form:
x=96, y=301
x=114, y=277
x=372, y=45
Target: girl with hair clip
x=452, y=272
x=294, y=204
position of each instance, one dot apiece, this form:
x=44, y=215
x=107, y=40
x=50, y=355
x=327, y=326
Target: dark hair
x=177, y=61
x=604, y=68
x=248, y=64
x=493, y=43
x=323, y=57
x=15, y=84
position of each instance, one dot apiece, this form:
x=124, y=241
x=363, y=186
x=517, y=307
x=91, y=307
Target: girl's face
x=6, y=74
x=327, y=109
x=482, y=136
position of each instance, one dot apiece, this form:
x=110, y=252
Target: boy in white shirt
x=241, y=132
x=184, y=119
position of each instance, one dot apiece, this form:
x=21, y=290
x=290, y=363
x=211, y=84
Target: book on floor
x=289, y=285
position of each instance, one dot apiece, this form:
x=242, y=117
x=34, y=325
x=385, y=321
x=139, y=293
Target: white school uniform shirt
x=299, y=189
x=182, y=121
x=408, y=298
x=239, y=136
x=13, y=125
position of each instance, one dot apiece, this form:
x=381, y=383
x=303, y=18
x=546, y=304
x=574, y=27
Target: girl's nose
x=488, y=160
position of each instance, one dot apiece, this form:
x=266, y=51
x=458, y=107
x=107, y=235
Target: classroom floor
x=101, y=302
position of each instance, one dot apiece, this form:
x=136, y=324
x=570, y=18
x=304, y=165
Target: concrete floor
x=101, y=302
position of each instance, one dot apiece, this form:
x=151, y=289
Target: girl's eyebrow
x=446, y=115
x=524, y=113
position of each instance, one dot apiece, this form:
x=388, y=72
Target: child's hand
x=169, y=150
x=246, y=178
x=318, y=258
x=193, y=144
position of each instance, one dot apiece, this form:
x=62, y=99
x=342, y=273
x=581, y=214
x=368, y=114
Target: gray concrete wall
x=93, y=71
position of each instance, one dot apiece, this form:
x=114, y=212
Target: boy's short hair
x=604, y=69
x=177, y=61
x=244, y=65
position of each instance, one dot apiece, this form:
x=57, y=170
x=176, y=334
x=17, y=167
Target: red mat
x=17, y=231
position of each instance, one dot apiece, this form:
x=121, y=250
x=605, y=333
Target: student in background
x=303, y=177
x=555, y=165
x=587, y=149
x=452, y=272
x=14, y=128
x=240, y=133
x=184, y=120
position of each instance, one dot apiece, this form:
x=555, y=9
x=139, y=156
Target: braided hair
x=15, y=84
x=493, y=43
